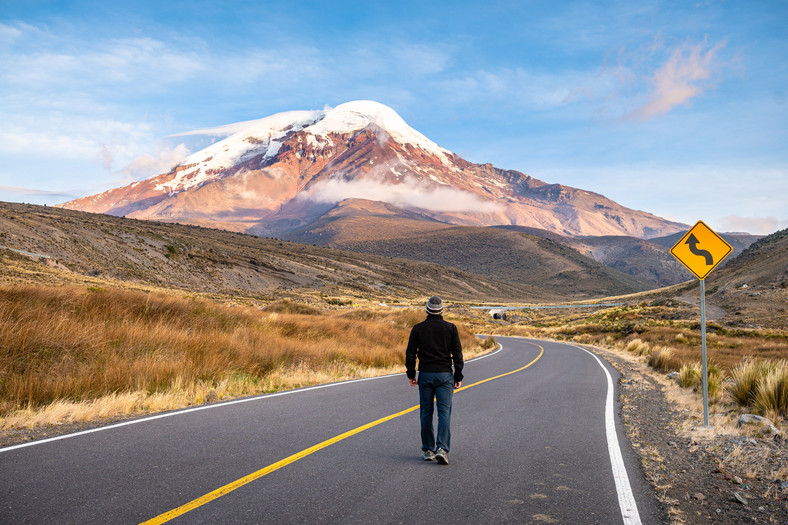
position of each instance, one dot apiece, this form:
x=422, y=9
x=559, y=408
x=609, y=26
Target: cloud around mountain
x=409, y=193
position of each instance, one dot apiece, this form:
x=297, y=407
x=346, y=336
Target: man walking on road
x=436, y=344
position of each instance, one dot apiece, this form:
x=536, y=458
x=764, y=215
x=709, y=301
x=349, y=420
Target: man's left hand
x=413, y=382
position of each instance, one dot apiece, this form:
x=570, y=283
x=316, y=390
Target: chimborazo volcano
x=283, y=172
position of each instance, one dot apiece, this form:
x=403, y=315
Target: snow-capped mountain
x=282, y=172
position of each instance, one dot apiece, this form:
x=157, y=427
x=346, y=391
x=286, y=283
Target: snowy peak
x=279, y=173
x=358, y=115
x=265, y=137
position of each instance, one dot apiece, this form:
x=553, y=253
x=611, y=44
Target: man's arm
x=456, y=357
x=410, y=356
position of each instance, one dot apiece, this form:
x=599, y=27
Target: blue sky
x=676, y=108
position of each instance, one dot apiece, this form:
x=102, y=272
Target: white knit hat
x=435, y=305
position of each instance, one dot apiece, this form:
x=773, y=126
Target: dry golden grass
x=667, y=334
x=77, y=353
x=689, y=375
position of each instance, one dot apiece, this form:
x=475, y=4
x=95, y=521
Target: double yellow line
x=226, y=489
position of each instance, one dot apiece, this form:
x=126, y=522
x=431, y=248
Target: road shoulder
x=696, y=474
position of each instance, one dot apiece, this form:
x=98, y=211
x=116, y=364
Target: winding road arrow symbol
x=693, y=241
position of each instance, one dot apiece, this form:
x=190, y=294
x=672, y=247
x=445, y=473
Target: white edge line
x=213, y=405
x=626, y=500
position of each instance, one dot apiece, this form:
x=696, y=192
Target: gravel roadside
x=722, y=475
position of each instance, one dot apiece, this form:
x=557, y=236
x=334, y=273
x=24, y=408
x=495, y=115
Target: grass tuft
x=664, y=360
x=638, y=347
x=689, y=375
x=714, y=381
x=746, y=379
x=772, y=393
x=488, y=343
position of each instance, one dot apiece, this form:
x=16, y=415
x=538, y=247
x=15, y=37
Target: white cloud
x=146, y=165
x=408, y=194
x=150, y=63
x=756, y=225
x=96, y=139
x=32, y=191
x=421, y=59
x=519, y=88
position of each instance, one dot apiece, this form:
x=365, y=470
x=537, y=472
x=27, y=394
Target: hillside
x=216, y=261
x=753, y=287
x=647, y=260
x=506, y=255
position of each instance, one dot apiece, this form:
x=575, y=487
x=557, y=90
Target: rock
x=673, y=444
x=752, y=419
x=737, y=480
x=673, y=375
x=698, y=496
x=741, y=498
x=212, y=397
x=784, y=485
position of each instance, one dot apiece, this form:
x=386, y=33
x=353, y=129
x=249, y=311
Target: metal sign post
x=703, y=352
x=701, y=250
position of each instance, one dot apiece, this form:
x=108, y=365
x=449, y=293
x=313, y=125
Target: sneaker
x=429, y=455
x=442, y=456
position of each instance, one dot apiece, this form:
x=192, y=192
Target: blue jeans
x=440, y=387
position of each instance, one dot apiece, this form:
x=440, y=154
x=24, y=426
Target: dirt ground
x=721, y=475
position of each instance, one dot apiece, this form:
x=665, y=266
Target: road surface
x=536, y=438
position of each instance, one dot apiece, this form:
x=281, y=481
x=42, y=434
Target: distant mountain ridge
x=517, y=253
x=218, y=261
x=281, y=173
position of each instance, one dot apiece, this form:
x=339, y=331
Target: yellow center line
x=226, y=489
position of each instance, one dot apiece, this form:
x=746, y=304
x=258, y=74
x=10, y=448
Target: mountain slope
x=217, y=261
x=510, y=256
x=280, y=173
x=753, y=286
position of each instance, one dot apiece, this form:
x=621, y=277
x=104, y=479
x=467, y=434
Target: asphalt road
x=527, y=447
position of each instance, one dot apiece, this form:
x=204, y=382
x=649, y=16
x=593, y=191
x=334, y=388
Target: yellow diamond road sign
x=701, y=250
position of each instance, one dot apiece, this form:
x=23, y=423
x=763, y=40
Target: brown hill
x=511, y=256
x=753, y=287
x=646, y=260
x=217, y=261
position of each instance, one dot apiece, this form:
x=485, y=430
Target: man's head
x=435, y=305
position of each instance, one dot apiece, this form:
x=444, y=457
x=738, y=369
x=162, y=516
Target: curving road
x=535, y=439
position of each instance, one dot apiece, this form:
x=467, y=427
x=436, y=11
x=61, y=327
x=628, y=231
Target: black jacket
x=436, y=343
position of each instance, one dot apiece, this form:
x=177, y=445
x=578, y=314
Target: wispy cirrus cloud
x=686, y=74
